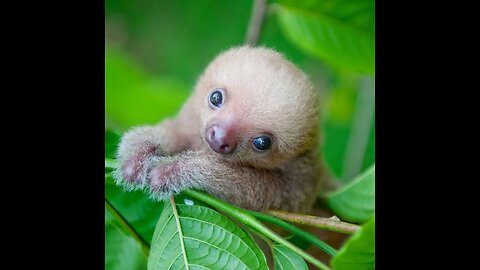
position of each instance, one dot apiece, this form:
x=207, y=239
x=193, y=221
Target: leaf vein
x=221, y=228
x=219, y=248
x=284, y=255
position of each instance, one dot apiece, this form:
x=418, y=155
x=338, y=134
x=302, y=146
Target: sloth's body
x=248, y=134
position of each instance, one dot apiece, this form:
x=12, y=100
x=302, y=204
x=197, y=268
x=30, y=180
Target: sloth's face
x=233, y=135
x=256, y=108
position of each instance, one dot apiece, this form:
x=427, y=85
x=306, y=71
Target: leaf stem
x=305, y=235
x=317, y=222
x=251, y=221
x=125, y=225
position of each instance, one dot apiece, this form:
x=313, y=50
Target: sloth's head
x=256, y=107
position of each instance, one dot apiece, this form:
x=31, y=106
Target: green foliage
x=358, y=13
x=331, y=39
x=286, y=259
x=194, y=223
x=359, y=251
x=247, y=218
x=121, y=250
x=154, y=53
x=356, y=201
x=192, y=234
x=140, y=211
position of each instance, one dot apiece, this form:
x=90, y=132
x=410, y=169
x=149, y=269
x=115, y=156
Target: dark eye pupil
x=216, y=98
x=262, y=143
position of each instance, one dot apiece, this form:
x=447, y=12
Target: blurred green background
x=155, y=50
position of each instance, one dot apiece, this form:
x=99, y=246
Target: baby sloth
x=248, y=134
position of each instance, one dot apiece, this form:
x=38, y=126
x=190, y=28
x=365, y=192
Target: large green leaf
x=340, y=43
x=194, y=236
x=358, y=253
x=285, y=259
x=121, y=251
x=356, y=201
x=358, y=13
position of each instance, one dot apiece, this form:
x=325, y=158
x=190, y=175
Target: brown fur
x=264, y=94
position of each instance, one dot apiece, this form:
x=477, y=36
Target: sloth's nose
x=221, y=140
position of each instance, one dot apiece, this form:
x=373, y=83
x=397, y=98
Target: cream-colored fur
x=265, y=93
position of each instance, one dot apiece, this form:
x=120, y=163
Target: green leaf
x=121, y=251
x=356, y=201
x=190, y=235
x=285, y=259
x=331, y=39
x=298, y=241
x=358, y=13
x=358, y=253
x=136, y=207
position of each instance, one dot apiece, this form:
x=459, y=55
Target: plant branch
x=246, y=218
x=318, y=222
x=256, y=22
x=305, y=235
x=125, y=225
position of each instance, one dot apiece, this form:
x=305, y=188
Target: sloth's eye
x=262, y=143
x=216, y=98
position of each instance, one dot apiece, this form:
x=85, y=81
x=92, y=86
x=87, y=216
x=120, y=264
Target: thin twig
x=256, y=22
x=318, y=222
x=303, y=234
